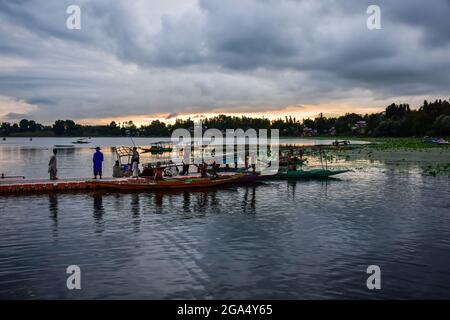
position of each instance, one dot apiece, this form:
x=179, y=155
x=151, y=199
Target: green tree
x=23, y=125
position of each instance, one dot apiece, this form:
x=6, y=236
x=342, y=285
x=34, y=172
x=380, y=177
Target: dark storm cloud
x=196, y=56
x=430, y=17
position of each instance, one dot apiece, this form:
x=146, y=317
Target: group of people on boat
x=294, y=159
x=156, y=171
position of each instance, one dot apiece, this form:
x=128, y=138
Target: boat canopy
x=124, y=154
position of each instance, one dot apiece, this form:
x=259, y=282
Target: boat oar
x=11, y=177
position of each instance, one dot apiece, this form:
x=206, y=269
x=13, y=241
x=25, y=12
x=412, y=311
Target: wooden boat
x=337, y=143
x=81, y=141
x=158, y=147
x=64, y=146
x=232, y=169
x=309, y=174
x=172, y=183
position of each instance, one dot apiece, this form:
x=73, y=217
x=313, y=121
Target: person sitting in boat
x=117, y=170
x=158, y=172
x=253, y=162
x=291, y=164
x=185, y=170
x=52, y=169
x=97, y=160
x=135, y=163
x=203, y=170
x=214, y=168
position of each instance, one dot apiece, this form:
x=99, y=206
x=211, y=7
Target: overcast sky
x=163, y=58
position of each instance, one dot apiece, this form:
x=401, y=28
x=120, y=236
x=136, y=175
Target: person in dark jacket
x=98, y=161
x=52, y=169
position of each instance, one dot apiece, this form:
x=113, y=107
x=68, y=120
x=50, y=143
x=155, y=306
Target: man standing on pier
x=97, y=159
x=52, y=166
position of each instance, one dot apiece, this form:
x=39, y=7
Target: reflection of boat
x=172, y=183
x=64, y=146
x=81, y=141
x=158, y=147
x=309, y=174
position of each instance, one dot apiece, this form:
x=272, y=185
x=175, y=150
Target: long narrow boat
x=172, y=183
x=64, y=146
x=309, y=174
x=81, y=141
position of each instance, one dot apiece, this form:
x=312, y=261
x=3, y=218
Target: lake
x=272, y=240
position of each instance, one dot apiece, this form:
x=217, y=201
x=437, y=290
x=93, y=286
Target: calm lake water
x=274, y=240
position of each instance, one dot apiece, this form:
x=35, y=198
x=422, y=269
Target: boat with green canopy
x=158, y=147
x=295, y=171
x=309, y=174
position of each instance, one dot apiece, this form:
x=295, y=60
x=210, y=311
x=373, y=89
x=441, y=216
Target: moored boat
x=168, y=183
x=158, y=147
x=309, y=174
x=81, y=141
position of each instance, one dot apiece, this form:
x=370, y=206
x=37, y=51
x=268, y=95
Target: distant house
x=308, y=132
x=360, y=127
x=332, y=131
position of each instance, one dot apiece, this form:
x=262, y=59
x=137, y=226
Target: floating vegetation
x=402, y=144
x=437, y=170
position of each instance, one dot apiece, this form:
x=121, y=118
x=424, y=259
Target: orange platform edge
x=45, y=186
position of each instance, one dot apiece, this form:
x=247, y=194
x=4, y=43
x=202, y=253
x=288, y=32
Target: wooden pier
x=21, y=186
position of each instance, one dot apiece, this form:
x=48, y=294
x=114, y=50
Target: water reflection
x=187, y=202
x=249, y=201
x=158, y=199
x=280, y=239
x=135, y=211
x=98, y=212
x=53, y=213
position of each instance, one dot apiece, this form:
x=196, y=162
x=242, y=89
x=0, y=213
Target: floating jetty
x=8, y=186
x=15, y=186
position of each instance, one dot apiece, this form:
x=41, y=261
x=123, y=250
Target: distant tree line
x=432, y=118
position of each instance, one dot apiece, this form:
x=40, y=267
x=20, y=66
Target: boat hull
x=309, y=174
x=182, y=183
